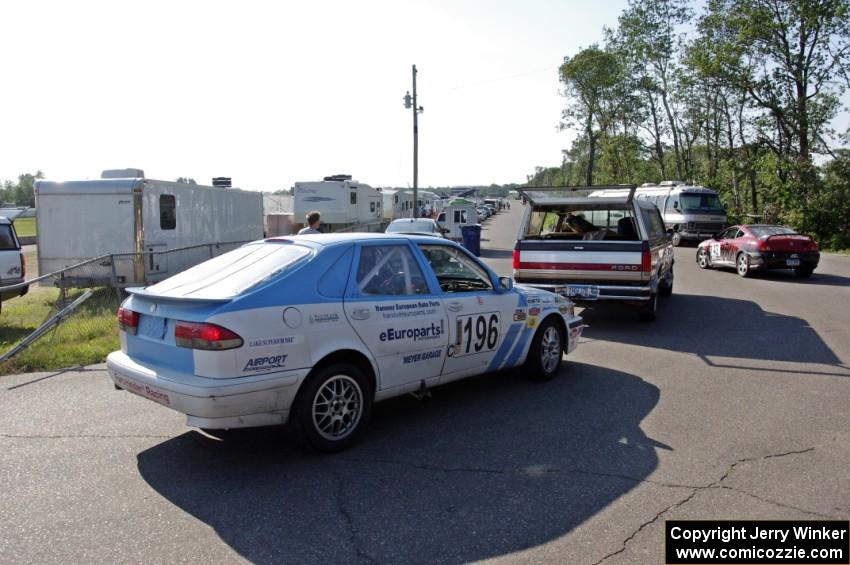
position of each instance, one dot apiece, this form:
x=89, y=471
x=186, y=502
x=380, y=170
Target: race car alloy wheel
x=702, y=259
x=333, y=407
x=743, y=264
x=544, y=356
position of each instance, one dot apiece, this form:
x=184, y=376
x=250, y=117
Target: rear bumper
x=13, y=293
x=257, y=400
x=779, y=260
x=618, y=293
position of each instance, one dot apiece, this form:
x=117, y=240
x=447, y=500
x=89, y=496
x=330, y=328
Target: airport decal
x=266, y=363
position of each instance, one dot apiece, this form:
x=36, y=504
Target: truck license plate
x=792, y=262
x=582, y=292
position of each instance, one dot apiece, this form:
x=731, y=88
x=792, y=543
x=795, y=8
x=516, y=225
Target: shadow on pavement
x=490, y=466
x=711, y=326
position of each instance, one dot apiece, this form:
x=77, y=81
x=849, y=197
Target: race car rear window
x=7, y=240
x=762, y=231
x=233, y=273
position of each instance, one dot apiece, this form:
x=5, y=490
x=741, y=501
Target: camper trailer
x=398, y=203
x=124, y=212
x=343, y=203
x=689, y=212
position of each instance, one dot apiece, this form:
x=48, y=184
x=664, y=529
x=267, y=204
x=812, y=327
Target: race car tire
x=333, y=407
x=742, y=264
x=804, y=272
x=703, y=260
x=665, y=285
x=649, y=310
x=546, y=352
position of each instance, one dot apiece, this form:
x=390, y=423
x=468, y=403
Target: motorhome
x=398, y=203
x=343, y=203
x=689, y=211
x=125, y=213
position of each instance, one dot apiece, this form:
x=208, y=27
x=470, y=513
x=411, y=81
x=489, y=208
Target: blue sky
x=271, y=93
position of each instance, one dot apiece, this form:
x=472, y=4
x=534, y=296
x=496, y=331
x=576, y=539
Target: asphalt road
x=734, y=404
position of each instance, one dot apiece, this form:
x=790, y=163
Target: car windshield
x=232, y=273
x=763, y=231
x=406, y=227
x=698, y=202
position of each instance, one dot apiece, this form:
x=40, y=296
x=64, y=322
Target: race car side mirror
x=506, y=283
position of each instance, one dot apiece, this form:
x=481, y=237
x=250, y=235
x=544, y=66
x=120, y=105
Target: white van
x=689, y=211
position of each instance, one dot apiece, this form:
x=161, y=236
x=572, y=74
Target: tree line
x=739, y=98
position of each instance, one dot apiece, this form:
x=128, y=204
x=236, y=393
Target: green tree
x=593, y=81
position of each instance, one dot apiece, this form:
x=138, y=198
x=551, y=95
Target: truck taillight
x=23, y=265
x=813, y=245
x=515, y=263
x=128, y=321
x=645, y=258
x=208, y=337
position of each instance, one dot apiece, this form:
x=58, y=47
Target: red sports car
x=759, y=247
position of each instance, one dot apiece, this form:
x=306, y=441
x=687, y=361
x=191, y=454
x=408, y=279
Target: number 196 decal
x=476, y=333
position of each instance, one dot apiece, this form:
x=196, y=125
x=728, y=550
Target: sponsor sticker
x=535, y=311
x=324, y=318
x=265, y=363
x=532, y=321
x=265, y=342
x=422, y=333
x=520, y=315
x=424, y=356
x=407, y=309
x=143, y=390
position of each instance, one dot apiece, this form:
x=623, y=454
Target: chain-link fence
x=69, y=315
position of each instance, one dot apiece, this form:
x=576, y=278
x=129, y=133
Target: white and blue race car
x=316, y=328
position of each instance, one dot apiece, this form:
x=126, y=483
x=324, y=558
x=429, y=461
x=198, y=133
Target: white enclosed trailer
x=342, y=202
x=123, y=212
x=398, y=203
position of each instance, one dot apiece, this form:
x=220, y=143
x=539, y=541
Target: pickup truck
x=594, y=244
x=12, y=261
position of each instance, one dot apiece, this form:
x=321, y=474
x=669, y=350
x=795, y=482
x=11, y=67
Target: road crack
x=349, y=521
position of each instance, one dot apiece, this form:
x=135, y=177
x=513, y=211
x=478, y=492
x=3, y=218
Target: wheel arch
x=353, y=357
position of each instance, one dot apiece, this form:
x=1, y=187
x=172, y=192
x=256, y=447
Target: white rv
x=123, y=212
x=398, y=203
x=342, y=202
x=689, y=212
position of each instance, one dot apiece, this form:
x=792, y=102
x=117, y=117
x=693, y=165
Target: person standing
x=313, y=222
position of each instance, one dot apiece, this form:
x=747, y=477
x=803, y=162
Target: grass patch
x=25, y=227
x=83, y=338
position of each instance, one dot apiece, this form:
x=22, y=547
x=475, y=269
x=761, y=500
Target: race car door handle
x=360, y=314
x=454, y=306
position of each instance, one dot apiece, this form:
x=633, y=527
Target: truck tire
x=665, y=285
x=648, y=311
x=332, y=408
x=546, y=352
x=676, y=239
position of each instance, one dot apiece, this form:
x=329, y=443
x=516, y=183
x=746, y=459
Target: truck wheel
x=647, y=312
x=665, y=286
x=546, y=352
x=743, y=264
x=702, y=259
x=333, y=407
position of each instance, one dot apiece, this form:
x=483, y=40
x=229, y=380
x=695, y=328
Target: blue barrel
x=472, y=238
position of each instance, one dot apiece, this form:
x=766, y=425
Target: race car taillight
x=23, y=265
x=645, y=258
x=813, y=245
x=515, y=263
x=128, y=321
x=208, y=337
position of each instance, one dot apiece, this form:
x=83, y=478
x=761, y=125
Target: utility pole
x=411, y=104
